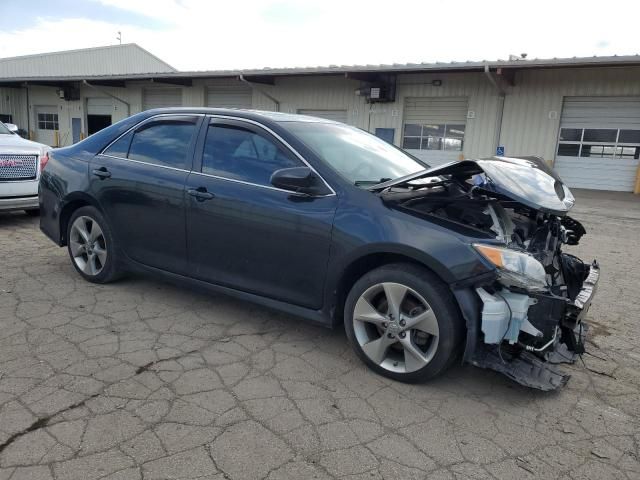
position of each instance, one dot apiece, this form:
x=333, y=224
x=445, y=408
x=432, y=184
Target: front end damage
x=528, y=315
x=525, y=333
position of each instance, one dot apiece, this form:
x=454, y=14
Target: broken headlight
x=515, y=268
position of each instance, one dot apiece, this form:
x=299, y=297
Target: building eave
x=264, y=74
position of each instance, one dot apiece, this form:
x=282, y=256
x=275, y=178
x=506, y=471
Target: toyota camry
x=423, y=266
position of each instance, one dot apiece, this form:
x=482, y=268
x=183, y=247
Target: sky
x=237, y=34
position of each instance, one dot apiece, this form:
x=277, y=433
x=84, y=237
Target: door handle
x=200, y=194
x=101, y=172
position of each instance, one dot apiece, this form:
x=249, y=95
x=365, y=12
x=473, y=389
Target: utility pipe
x=500, y=112
x=109, y=95
x=253, y=86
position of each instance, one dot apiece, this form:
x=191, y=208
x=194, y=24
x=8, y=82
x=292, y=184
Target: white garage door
x=434, y=128
x=599, y=142
x=335, y=115
x=100, y=106
x=229, y=96
x=161, y=97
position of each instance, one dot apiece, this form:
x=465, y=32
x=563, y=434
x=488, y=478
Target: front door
x=139, y=182
x=245, y=234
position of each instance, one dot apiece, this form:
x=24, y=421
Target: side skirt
x=317, y=317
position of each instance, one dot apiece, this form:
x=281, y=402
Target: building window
x=5, y=118
x=386, y=134
x=48, y=121
x=599, y=143
x=433, y=137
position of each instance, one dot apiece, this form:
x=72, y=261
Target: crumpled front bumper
x=551, y=331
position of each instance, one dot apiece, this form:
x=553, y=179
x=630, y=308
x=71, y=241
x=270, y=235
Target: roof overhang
x=504, y=68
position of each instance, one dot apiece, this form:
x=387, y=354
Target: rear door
x=244, y=233
x=139, y=181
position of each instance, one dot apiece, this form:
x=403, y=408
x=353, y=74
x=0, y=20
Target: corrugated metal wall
x=315, y=93
x=228, y=94
x=113, y=60
x=533, y=107
x=338, y=93
x=530, y=125
x=13, y=102
x=483, y=104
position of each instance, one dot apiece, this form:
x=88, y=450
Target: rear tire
x=403, y=322
x=91, y=246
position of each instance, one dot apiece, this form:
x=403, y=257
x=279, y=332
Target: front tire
x=403, y=322
x=91, y=246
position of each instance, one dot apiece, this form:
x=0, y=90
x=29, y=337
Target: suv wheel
x=91, y=246
x=403, y=322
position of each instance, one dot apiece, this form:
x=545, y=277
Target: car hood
x=17, y=144
x=527, y=180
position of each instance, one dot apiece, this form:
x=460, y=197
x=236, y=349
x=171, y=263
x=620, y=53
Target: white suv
x=21, y=162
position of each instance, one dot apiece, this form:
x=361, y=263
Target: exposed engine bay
x=528, y=316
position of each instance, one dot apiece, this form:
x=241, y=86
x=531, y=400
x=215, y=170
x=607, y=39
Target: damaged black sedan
x=422, y=266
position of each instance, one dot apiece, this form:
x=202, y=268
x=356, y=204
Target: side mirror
x=13, y=128
x=299, y=180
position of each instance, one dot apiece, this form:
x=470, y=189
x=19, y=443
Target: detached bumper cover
x=558, y=318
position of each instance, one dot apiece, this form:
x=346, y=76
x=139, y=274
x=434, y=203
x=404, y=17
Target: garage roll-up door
x=433, y=128
x=229, y=96
x=161, y=97
x=599, y=142
x=335, y=115
x=100, y=106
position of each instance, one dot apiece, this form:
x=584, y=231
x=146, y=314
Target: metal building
x=581, y=114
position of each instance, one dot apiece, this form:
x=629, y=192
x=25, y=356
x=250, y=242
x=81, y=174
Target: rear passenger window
x=120, y=148
x=241, y=154
x=162, y=142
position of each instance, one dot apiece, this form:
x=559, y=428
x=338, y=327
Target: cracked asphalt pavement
x=144, y=380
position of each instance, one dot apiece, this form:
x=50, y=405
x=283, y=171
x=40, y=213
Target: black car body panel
x=297, y=252
x=353, y=223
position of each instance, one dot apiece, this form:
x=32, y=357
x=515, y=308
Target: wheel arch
x=72, y=203
x=366, y=262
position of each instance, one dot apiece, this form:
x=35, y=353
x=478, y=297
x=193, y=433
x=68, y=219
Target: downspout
x=26, y=87
x=104, y=92
x=500, y=112
x=253, y=86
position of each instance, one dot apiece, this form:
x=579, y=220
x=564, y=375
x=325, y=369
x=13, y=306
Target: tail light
x=44, y=159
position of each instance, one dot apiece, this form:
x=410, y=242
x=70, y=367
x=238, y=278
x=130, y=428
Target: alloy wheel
x=88, y=245
x=396, y=327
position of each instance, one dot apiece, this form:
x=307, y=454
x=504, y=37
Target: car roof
x=257, y=115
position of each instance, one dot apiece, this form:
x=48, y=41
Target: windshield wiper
x=360, y=183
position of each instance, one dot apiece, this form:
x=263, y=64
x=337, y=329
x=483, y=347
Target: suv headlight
x=515, y=268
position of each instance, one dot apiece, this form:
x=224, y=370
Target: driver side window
x=239, y=153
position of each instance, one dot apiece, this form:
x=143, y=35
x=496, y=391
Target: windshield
x=361, y=158
x=4, y=130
